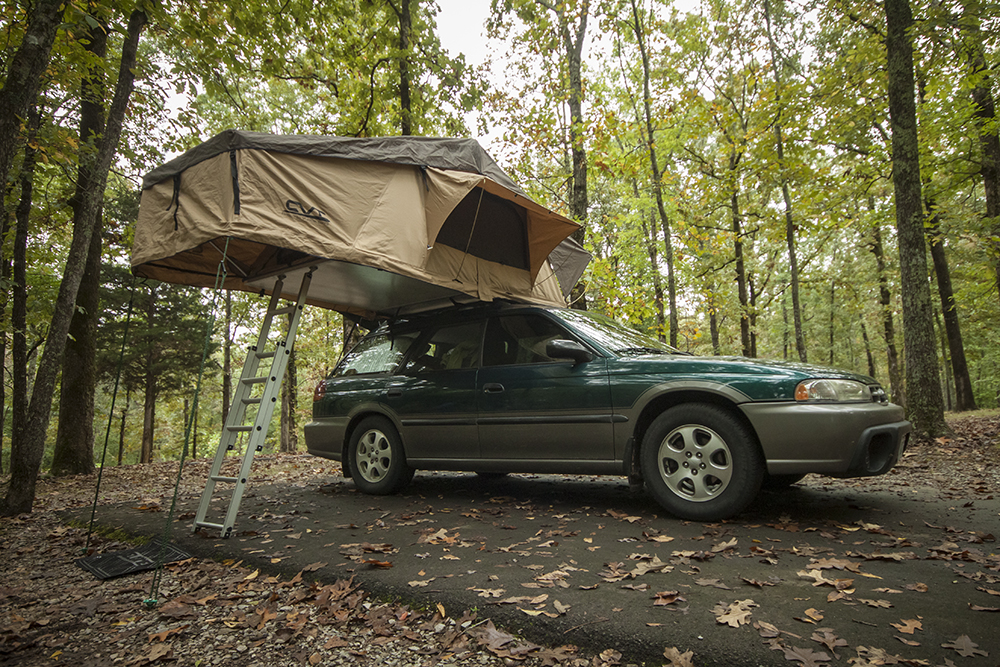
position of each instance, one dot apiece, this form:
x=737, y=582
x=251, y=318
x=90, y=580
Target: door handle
x=492, y=388
x=394, y=392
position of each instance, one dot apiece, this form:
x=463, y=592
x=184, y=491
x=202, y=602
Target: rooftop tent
x=392, y=225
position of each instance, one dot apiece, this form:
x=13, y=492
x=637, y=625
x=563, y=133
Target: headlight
x=832, y=391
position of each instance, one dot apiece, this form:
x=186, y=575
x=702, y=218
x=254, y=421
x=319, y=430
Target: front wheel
x=378, y=463
x=701, y=463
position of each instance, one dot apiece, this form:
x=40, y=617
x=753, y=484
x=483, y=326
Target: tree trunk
x=793, y=261
x=121, y=429
x=650, y=238
x=924, y=401
x=946, y=378
x=149, y=388
x=868, y=349
x=19, y=306
x=74, y=448
x=888, y=326
x=578, y=198
x=833, y=306
x=6, y=275
x=741, y=274
x=405, y=29
x=656, y=174
x=989, y=133
x=148, y=418
x=964, y=398
x=24, y=71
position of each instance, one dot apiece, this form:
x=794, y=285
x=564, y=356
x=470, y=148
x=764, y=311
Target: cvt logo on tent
x=304, y=210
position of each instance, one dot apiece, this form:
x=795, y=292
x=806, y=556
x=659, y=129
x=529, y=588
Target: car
x=497, y=388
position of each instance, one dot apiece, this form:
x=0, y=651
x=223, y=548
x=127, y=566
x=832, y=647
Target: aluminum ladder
x=245, y=432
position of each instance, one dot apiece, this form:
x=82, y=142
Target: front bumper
x=836, y=439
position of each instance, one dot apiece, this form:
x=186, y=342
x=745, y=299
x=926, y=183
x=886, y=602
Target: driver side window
x=519, y=339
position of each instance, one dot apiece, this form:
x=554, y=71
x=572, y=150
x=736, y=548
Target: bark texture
x=24, y=72
x=925, y=403
x=74, y=449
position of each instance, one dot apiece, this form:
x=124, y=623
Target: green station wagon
x=503, y=388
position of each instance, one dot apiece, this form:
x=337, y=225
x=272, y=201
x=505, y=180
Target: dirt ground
x=368, y=595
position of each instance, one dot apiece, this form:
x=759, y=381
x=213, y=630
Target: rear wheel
x=701, y=463
x=378, y=463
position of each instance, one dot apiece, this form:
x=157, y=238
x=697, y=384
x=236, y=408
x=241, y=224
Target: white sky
x=461, y=28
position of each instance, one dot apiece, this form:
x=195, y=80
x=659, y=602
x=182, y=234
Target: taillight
x=320, y=391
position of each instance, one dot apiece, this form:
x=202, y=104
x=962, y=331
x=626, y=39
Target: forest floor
x=899, y=569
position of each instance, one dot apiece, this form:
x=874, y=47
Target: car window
x=519, y=339
x=447, y=348
x=380, y=353
x=613, y=335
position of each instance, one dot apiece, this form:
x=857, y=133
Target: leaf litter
x=310, y=623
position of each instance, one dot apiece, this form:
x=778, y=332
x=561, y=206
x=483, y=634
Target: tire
x=780, y=482
x=378, y=462
x=701, y=463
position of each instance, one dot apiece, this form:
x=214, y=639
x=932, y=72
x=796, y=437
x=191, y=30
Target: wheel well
x=345, y=461
x=666, y=401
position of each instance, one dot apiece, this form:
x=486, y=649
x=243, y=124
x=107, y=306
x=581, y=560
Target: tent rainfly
x=393, y=225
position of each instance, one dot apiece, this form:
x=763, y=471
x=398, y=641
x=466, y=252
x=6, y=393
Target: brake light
x=320, y=391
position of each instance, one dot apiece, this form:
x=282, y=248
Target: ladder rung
x=256, y=380
x=251, y=401
x=240, y=429
x=281, y=311
x=264, y=355
x=209, y=524
x=222, y=478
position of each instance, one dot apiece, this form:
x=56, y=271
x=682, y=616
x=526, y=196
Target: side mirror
x=568, y=349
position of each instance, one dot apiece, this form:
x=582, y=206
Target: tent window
x=498, y=235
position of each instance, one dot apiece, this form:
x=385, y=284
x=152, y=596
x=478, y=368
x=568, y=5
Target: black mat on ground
x=118, y=563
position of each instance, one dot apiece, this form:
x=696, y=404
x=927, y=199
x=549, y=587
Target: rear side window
x=376, y=354
x=448, y=348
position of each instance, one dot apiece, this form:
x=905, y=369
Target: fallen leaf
x=827, y=638
x=811, y=616
x=664, y=598
x=878, y=604
x=420, y=583
x=806, y=656
x=908, y=626
x=965, y=647
x=162, y=636
x=678, y=659
x=735, y=614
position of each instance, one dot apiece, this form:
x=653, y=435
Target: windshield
x=613, y=336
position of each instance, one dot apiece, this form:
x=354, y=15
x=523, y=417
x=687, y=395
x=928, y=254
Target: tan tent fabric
x=445, y=234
